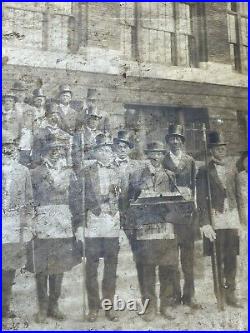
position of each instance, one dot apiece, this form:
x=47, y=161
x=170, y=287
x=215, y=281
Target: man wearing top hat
x=40, y=114
x=222, y=178
x=54, y=249
x=17, y=213
x=155, y=242
x=102, y=188
x=181, y=170
x=131, y=173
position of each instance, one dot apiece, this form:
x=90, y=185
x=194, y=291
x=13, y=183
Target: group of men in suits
x=79, y=188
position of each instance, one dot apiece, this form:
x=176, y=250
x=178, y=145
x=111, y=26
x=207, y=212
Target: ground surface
x=208, y=318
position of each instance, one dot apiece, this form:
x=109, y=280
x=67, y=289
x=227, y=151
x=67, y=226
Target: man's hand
x=208, y=232
x=79, y=234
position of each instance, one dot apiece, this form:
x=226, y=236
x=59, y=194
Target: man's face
x=219, y=152
x=92, y=122
x=245, y=163
x=9, y=103
x=175, y=143
x=39, y=101
x=20, y=94
x=121, y=149
x=104, y=154
x=155, y=157
x=57, y=156
x=65, y=98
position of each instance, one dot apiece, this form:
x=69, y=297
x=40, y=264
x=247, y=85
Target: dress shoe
x=191, y=302
x=111, y=315
x=92, y=316
x=233, y=301
x=166, y=313
x=54, y=312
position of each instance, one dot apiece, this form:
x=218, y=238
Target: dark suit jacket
x=184, y=173
x=218, y=193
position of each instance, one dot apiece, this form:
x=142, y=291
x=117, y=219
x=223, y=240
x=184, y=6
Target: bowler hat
x=123, y=136
x=19, y=86
x=38, y=93
x=91, y=94
x=65, y=88
x=102, y=139
x=175, y=130
x=215, y=139
x=155, y=146
x=91, y=111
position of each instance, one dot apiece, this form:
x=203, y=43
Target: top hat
x=38, y=93
x=91, y=94
x=18, y=86
x=65, y=88
x=156, y=146
x=91, y=111
x=215, y=139
x=102, y=139
x=10, y=95
x=175, y=130
x=123, y=136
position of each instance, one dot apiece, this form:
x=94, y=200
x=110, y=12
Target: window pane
x=27, y=26
x=182, y=50
x=145, y=14
x=144, y=45
x=244, y=58
x=184, y=24
x=244, y=30
x=126, y=40
x=243, y=8
x=39, y=6
x=231, y=25
x=58, y=32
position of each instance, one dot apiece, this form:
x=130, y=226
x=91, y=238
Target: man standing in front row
x=224, y=232
x=17, y=211
x=102, y=188
x=54, y=249
x=182, y=174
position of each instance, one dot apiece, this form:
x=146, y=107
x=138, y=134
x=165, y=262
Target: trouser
x=186, y=248
x=139, y=266
x=227, y=250
x=46, y=300
x=8, y=278
x=97, y=248
x=167, y=275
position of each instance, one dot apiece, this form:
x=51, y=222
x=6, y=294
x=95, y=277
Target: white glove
x=208, y=232
x=79, y=234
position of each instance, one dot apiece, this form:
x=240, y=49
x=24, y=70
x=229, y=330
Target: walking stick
x=215, y=257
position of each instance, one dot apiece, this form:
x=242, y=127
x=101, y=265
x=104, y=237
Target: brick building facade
x=150, y=63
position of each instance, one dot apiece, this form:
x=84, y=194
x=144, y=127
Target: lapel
x=169, y=164
x=214, y=176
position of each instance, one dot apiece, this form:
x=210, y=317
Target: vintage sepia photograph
x=124, y=166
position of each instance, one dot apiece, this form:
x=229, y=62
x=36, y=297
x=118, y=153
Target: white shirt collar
x=175, y=158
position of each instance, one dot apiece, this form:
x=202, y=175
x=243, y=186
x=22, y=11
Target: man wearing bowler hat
x=182, y=174
x=155, y=243
x=92, y=120
x=102, y=189
x=225, y=231
x=54, y=249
